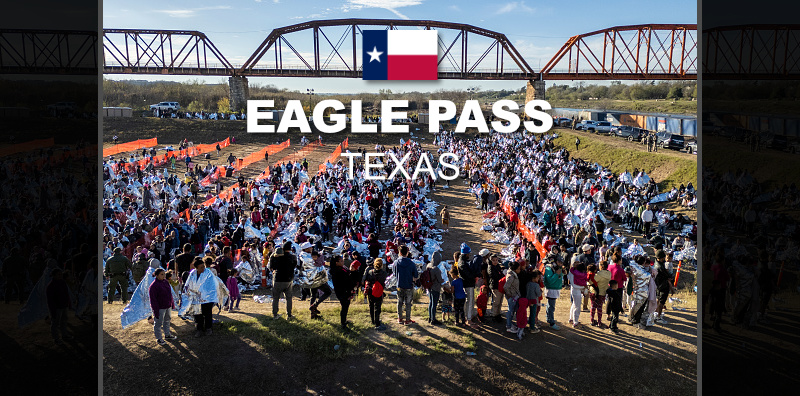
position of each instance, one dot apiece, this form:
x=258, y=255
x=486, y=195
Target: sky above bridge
x=536, y=28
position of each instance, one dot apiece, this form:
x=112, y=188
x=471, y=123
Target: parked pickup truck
x=595, y=126
x=172, y=106
x=562, y=122
x=63, y=106
x=603, y=127
x=585, y=125
x=628, y=132
x=674, y=142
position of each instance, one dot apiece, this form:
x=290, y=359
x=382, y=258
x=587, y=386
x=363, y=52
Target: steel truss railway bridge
x=331, y=48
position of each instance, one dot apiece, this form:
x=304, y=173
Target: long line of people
x=571, y=206
x=200, y=115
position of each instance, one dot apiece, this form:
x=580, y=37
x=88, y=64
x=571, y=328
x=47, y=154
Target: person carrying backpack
x=374, y=281
x=432, y=279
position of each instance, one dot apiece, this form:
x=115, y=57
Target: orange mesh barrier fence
x=130, y=146
x=26, y=146
x=165, y=158
x=335, y=154
x=259, y=155
x=250, y=159
x=526, y=232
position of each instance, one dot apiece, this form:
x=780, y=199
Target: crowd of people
x=199, y=115
x=524, y=182
x=324, y=234
x=750, y=248
x=48, y=226
x=285, y=221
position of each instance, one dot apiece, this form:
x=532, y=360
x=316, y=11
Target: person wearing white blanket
x=202, y=293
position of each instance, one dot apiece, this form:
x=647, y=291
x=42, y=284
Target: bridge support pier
x=534, y=90
x=240, y=92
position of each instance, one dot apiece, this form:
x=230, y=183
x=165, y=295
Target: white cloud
x=515, y=6
x=192, y=12
x=312, y=16
x=390, y=5
x=536, y=55
x=454, y=7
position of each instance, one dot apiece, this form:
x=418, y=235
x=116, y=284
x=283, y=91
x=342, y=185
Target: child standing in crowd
x=233, y=288
x=533, y=293
x=596, y=281
x=459, y=294
x=614, y=306
x=374, y=280
x=447, y=302
x=174, y=282
x=482, y=301
x=445, y=213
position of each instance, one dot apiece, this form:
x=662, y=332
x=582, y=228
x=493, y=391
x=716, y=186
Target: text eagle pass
x=440, y=110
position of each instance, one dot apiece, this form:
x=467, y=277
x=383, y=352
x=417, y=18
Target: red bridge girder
x=465, y=68
x=70, y=52
x=751, y=52
x=636, y=52
x=135, y=51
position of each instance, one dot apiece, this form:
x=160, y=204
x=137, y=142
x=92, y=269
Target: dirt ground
x=32, y=349
x=662, y=360
x=658, y=361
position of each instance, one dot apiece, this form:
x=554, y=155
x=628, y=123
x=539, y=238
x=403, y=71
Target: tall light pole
x=471, y=91
x=310, y=93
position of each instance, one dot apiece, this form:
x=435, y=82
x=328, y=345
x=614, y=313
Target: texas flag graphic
x=400, y=55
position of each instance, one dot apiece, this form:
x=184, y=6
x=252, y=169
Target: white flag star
x=375, y=54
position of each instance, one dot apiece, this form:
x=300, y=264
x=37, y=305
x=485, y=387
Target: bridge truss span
x=636, y=52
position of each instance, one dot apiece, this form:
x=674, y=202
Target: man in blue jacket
x=406, y=273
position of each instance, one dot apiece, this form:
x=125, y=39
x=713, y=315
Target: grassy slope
x=769, y=166
x=651, y=106
x=621, y=159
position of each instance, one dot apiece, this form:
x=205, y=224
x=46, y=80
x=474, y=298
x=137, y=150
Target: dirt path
x=33, y=346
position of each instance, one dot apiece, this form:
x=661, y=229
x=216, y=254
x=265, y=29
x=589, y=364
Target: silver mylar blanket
x=310, y=276
x=246, y=272
x=641, y=282
x=633, y=250
x=209, y=288
x=35, y=307
x=139, y=307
